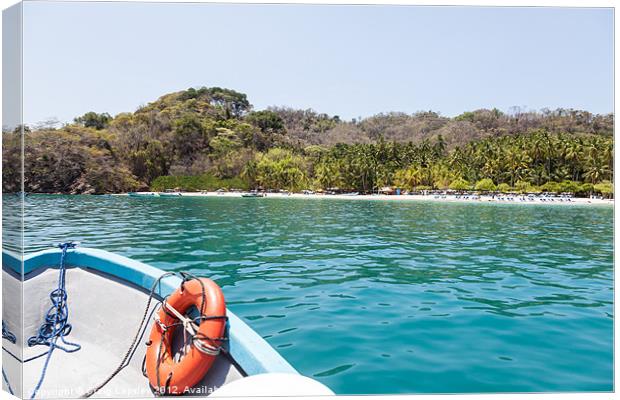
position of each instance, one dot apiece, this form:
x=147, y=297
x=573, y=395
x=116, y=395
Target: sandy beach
x=382, y=197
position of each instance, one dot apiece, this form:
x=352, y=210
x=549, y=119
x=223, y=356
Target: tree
x=269, y=124
x=93, y=120
x=149, y=162
x=442, y=175
x=228, y=157
x=524, y=187
x=281, y=169
x=586, y=188
x=551, y=187
x=224, y=142
x=504, y=188
x=189, y=138
x=595, y=170
x=408, y=178
x=485, y=185
x=460, y=184
x=266, y=121
x=74, y=160
x=605, y=188
x=568, y=187
x=213, y=131
x=12, y=161
x=327, y=175
x=234, y=103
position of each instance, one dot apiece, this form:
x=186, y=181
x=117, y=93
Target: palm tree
x=517, y=164
x=595, y=171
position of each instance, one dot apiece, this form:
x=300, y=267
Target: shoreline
x=384, y=197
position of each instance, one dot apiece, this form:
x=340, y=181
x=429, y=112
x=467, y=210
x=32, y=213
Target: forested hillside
x=210, y=137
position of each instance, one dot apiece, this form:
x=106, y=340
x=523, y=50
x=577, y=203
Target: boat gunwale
x=246, y=347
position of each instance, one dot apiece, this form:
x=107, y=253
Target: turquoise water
x=384, y=297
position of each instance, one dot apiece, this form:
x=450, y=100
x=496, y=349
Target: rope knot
x=67, y=245
x=164, y=328
x=8, y=335
x=56, y=325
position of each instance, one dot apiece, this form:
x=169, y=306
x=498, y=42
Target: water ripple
x=382, y=297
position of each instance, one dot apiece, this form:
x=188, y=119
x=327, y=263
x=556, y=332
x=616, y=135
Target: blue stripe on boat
x=253, y=354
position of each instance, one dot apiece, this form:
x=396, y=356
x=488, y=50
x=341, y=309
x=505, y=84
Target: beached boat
x=105, y=310
x=169, y=194
x=252, y=194
x=141, y=194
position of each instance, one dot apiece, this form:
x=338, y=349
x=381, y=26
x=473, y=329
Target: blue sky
x=344, y=60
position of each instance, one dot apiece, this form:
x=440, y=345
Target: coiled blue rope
x=56, y=325
x=8, y=335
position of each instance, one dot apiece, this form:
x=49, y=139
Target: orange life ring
x=167, y=375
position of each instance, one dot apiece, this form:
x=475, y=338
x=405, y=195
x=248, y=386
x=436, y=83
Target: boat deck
x=105, y=313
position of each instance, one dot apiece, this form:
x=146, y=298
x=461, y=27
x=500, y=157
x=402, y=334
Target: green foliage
x=149, y=161
x=423, y=187
x=74, y=160
x=561, y=187
x=281, y=169
x=234, y=103
x=526, y=187
x=327, y=175
x=231, y=103
x=270, y=128
x=93, y=120
x=551, y=187
x=190, y=136
x=605, y=188
x=408, y=178
x=466, y=116
x=569, y=187
x=585, y=188
x=199, y=134
x=197, y=183
x=266, y=121
x=11, y=161
x=485, y=185
x=460, y=184
x=523, y=187
x=504, y=188
x=224, y=142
